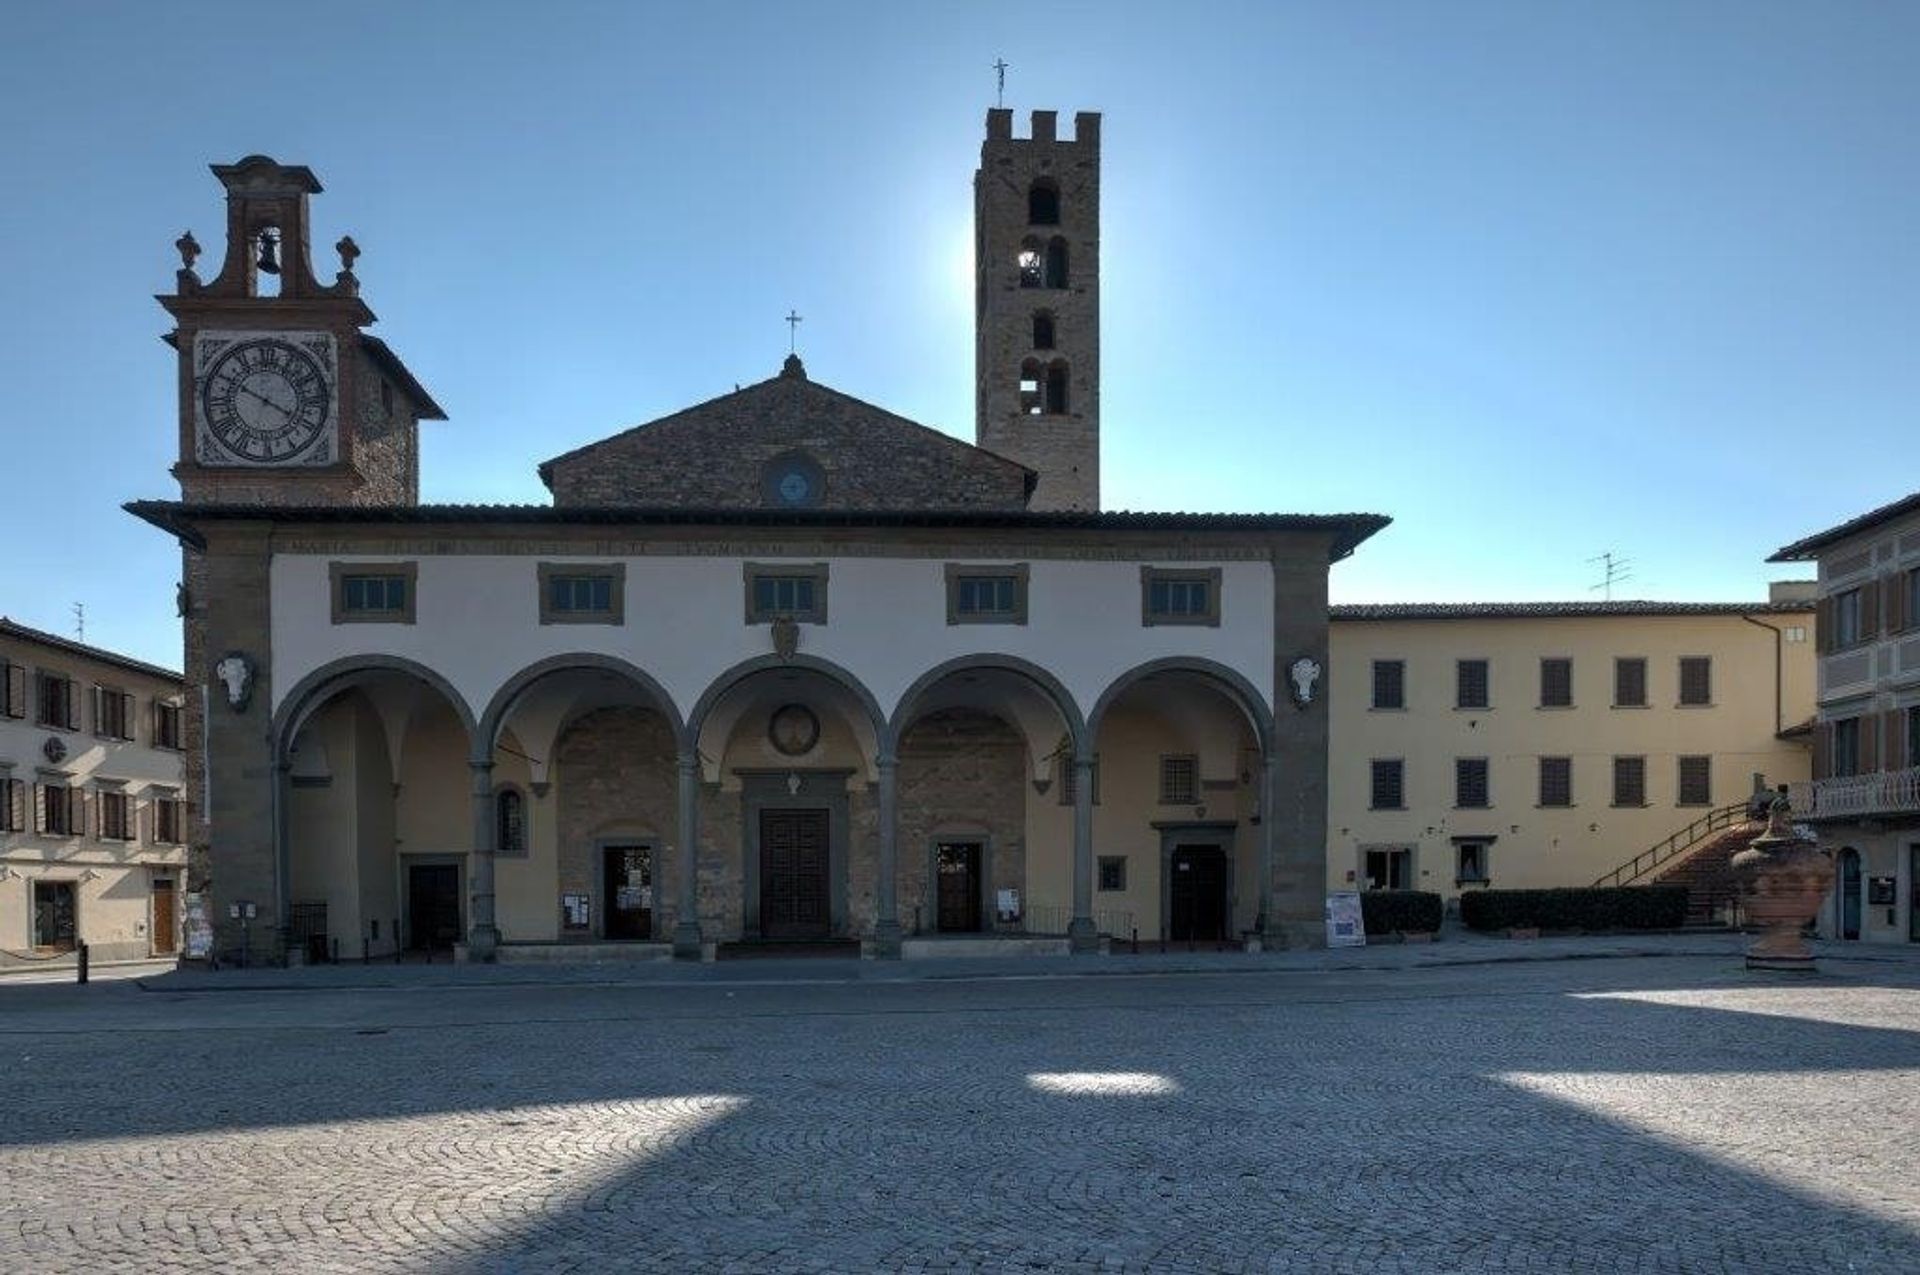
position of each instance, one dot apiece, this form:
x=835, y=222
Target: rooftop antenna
x=80, y=620
x=1613, y=570
x=794, y=320
x=1000, y=82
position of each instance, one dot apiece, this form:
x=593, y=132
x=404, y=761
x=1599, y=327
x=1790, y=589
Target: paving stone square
x=1660, y=1114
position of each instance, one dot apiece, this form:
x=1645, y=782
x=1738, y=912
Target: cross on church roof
x=793, y=330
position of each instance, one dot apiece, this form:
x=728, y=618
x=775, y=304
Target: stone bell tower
x=1036, y=209
x=283, y=399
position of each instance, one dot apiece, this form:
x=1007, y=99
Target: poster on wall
x=1345, y=928
x=1007, y=905
x=574, y=914
x=199, y=931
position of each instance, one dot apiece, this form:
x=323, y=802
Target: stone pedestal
x=1784, y=878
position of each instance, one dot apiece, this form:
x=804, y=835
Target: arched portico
x=362, y=750
x=1198, y=786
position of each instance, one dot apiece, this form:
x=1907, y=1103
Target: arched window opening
x=1043, y=203
x=1033, y=265
x=1043, y=331
x=268, y=263
x=1056, y=400
x=1057, y=263
x=1030, y=401
x=510, y=822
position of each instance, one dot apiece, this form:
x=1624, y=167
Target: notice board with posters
x=1345, y=928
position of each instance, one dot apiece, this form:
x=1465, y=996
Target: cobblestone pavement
x=1653, y=1114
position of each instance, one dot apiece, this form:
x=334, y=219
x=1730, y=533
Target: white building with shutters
x=1864, y=798
x=93, y=807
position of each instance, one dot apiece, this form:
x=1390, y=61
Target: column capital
x=885, y=761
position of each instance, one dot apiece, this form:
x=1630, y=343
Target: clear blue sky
x=1537, y=279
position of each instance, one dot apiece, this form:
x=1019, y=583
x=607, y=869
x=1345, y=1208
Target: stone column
x=1269, y=790
x=886, y=923
x=1082, y=935
x=686, y=928
x=483, y=937
x=1300, y=738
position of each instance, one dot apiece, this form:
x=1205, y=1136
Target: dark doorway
x=627, y=886
x=1848, y=887
x=956, y=866
x=1913, y=888
x=165, y=921
x=433, y=906
x=1197, y=895
x=793, y=875
x=55, y=923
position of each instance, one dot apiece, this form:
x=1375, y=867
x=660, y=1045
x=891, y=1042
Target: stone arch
x=501, y=706
x=1236, y=687
x=317, y=687
x=1043, y=681
x=732, y=677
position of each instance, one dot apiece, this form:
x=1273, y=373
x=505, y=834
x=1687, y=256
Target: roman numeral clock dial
x=265, y=398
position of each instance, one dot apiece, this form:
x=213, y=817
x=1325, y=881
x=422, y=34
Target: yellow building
x=1529, y=745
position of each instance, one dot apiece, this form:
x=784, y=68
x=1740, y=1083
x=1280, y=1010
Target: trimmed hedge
x=1625, y=907
x=1400, y=911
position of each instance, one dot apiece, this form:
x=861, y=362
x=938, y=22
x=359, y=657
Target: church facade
x=781, y=667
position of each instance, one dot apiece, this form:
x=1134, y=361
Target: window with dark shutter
x=1388, y=784
x=1556, y=781
x=1847, y=619
x=13, y=805
x=1470, y=783
x=112, y=713
x=1696, y=680
x=13, y=691
x=1556, y=683
x=1630, y=781
x=166, y=726
x=1471, y=684
x=1696, y=781
x=1630, y=682
x=1389, y=684
x=116, y=816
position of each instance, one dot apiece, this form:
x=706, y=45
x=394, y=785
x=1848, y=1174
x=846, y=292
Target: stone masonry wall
x=962, y=774
x=615, y=776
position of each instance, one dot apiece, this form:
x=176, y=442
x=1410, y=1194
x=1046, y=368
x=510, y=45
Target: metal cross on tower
x=793, y=330
x=1000, y=73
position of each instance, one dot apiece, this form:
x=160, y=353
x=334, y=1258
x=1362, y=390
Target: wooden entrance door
x=433, y=906
x=957, y=869
x=1848, y=887
x=627, y=873
x=165, y=922
x=1197, y=894
x=793, y=875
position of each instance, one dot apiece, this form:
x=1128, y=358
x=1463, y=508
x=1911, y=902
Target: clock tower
x=284, y=398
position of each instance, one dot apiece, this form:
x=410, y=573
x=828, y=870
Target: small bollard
x=81, y=964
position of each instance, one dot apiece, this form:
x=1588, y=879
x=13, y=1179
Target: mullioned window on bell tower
x=1043, y=203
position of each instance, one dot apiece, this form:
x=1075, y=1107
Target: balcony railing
x=1890, y=792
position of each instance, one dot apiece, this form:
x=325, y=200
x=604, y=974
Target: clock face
x=794, y=729
x=265, y=398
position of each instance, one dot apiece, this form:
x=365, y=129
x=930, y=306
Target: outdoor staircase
x=1698, y=856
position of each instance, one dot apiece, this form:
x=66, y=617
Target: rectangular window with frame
x=374, y=592
x=577, y=594
x=1629, y=781
x=1470, y=791
x=1696, y=781
x=1556, y=782
x=1068, y=785
x=1180, y=596
x=112, y=713
x=169, y=821
x=1846, y=747
x=1848, y=616
x=1629, y=681
x=115, y=815
x=1470, y=684
x=1389, y=784
x=1913, y=736
x=1389, y=683
x=1696, y=681
x=1910, y=614
x=1470, y=862
x=798, y=592
x=1179, y=779
x=13, y=804
x=168, y=726
x=56, y=810
x=59, y=701
x=986, y=594
x=13, y=689
x=1556, y=682
x=1113, y=872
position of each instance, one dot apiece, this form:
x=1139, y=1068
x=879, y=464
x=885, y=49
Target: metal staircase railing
x=1676, y=845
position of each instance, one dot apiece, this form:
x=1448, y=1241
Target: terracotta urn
x=1784, y=878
